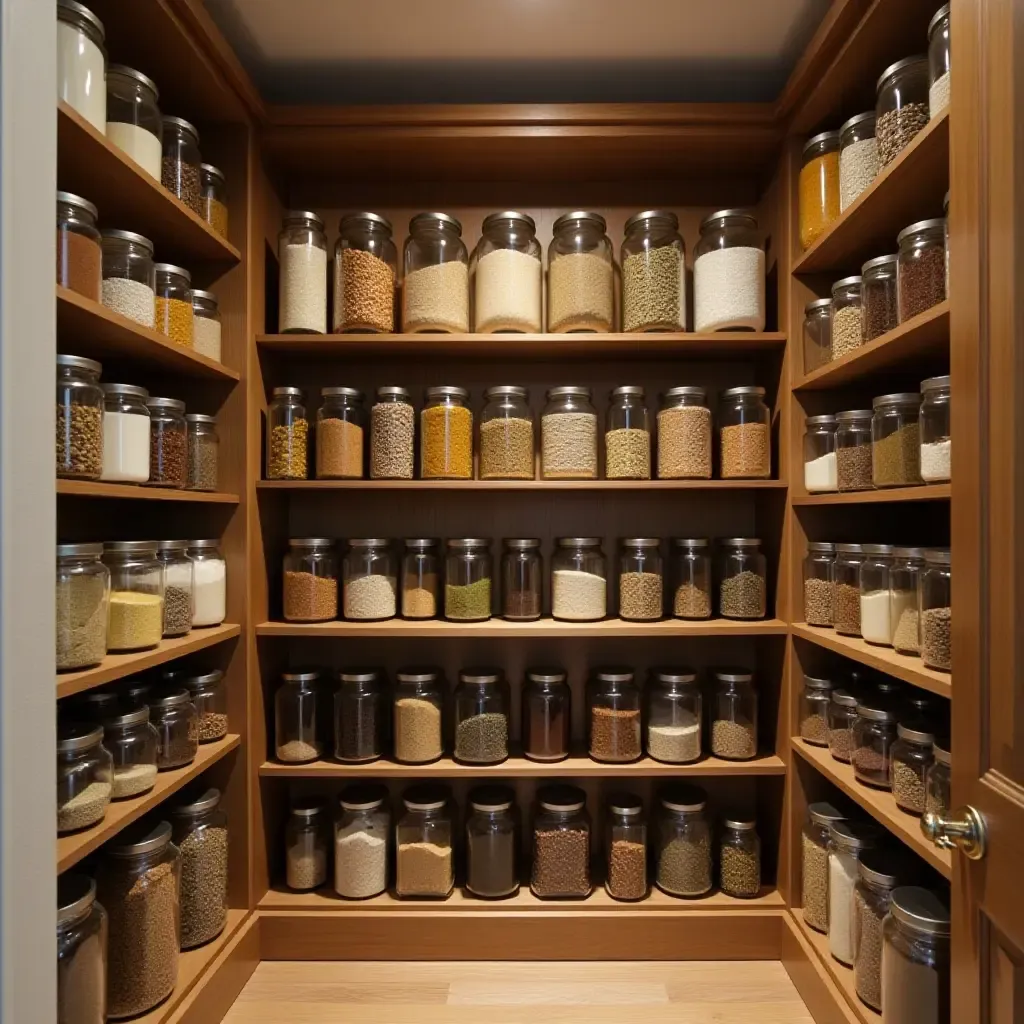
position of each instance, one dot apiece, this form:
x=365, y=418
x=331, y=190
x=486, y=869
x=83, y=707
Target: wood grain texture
x=138, y=492
x=521, y=485
x=840, y=974
x=824, y=998
x=887, y=495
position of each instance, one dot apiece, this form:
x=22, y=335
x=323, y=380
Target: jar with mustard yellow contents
x=174, y=303
x=446, y=431
x=819, y=186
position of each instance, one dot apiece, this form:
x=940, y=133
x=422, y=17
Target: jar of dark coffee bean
x=625, y=848
x=691, y=578
x=561, y=844
x=901, y=107
x=81, y=951
x=911, y=758
x=734, y=716
x=674, y=716
x=200, y=831
x=874, y=733
x=879, y=290
x=546, y=715
x=297, y=732
x=211, y=700
x=482, y=711
x=84, y=776
x=168, y=442
x=177, y=723
x=521, y=574
x=79, y=418
x=360, y=716
x=896, y=440
x=492, y=841
x=817, y=334
x=922, y=267
x=842, y=713
x=739, y=858
x=683, y=852
x=936, y=610
x=180, y=170
x=743, y=590
x=853, y=450
x=814, y=863
x=613, y=716
x=814, y=702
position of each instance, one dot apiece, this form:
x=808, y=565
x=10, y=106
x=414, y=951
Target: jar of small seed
x=739, y=858
x=133, y=117
x=82, y=599
x=684, y=435
x=579, y=580
x=745, y=433
x=365, y=271
x=361, y=712
x=213, y=198
x=180, y=173
x=879, y=872
x=362, y=834
x=683, y=851
x=506, y=268
x=340, y=428
x=84, y=776
x=79, y=256
x=179, y=586
x=310, y=580
x=561, y=844
x=817, y=334
x=424, y=849
x=421, y=571
x=568, y=431
x=842, y=713
x=847, y=316
x=874, y=733
x=370, y=580
x=176, y=721
x=921, y=275
x=814, y=861
x=734, y=716
x=174, y=303
x=467, y=580
x=935, y=429
x=901, y=107
x=896, y=440
x=210, y=698
x=820, y=470
x=814, y=704
x=129, y=276
x=911, y=758
x=674, y=716
x=287, y=436
x=392, y=435
x=79, y=437
x=297, y=729
x=625, y=848
x=819, y=584
x=846, y=573
x=743, y=592
x=446, y=435
x=904, y=614
x=506, y=434
x=613, y=716
x=580, y=274
x=302, y=252
x=937, y=781
x=203, y=452
x=858, y=157
x=819, y=186
x=853, y=450
x=435, y=286
x=307, y=841
x=81, y=938
x=168, y=443
x=419, y=715
x=653, y=273
x=206, y=324
x=641, y=575
x=627, y=437
x=936, y=617
x=547, y=707
x=521, y=579
x=691, y=578
x=482, y=715
x=879, y=292
x=136, y=595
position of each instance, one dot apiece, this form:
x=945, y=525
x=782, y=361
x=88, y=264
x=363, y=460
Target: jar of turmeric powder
x=446, y=432
x=819, y=187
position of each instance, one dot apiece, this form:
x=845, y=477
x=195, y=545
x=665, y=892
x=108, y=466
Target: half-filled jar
x=938, y=64
x=901, y=106
x=921, y=267
x=79, y=255
x=820, y=469
x=911, y=758
x=174, y=316
x=814, y=704
x=179, y=167
x=297, y=728
x=819, y=187
x=904, y=613
x=568, y=431
x=674, y=716
x=653, y=273
x=847, y=316
x=579, y=580
x=467, y=580
x=916, y=957
x=179, y=586
x=745, y=434
x=506, y=434
x=134, y=123
x=627, y=438
x=874, y=733
x=213, y=200
x=302, y=252
x=613, y=716
x=361, y=714
x=392, y=435
x=734, y=715
x=728, y=274
x=506, y=267
x=683, y=851
x=446, y=435
x=878, y=873
x=129, y=276
x=561, y=844
x=419, y=715
x=370, y=583
x=82, y=600
x=435, y=286
x=84, y=776
x=819, y=583
x=580, y=274
x=210, y=697
x=287, y=435
x=421, y=573
x=842, y=713
x=879, y=292
x=79, y=419
x=853, y=450
x=522, y=572
x=365, y=272
x=307, y=844
x=691, y=578
x=846, y=573
x=896, y=440
x=641, y=580
x=936, y=611
x=625, y=848
x=482, y=714
x=424, y=844
x=684, y=435
x=136, y=595
x=936, y=445
x=743, y=590
x=310, y=580
x=858, y=157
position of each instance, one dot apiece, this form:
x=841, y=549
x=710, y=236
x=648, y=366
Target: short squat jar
x=203, y=452
x=911, y=758
x=744, y=423
x=522, y=571
x=817, y=334
x=814, y=704
x=80, y=418
x=421, y=574
x=307, y=841
x=506, y=434
x=875, y=603
x=174, y=316
x=641, y=580
x=653, y=273
x=210, y=697
x=82, y=606
x=213, y=200
x=568, y=432
x=467, y=580
x=361, y=714
x=129, y=276
x=684, y=435
x=739, y=858
x=901, y=106
x=879, y=291
x=81, y=950
x=858, y=157
x=492, y=840
x=392, y=435
x=580, y=274
x=625, y=848
x=424, y=830
x=370, y=583
x=683, y=850
x=79, y=256
x=734, y=716
x=935, y=430
x=847, y=588
x=132, y=741
x=506, y=269
x=627, y=439
x=728, y=274
x=820, y=470
x=340, y=432
x=176, y=721
x=936, y=610
x=302, y=252
x=921, y=267
x=938, y=62
x=743, y=591
x=853, y=450
x=847, y=316
x=874, y=733
x=819, y=584
x=134, y=123
x=136, y=595
x=674, y=716
x=287, y=435
x=691, y=577
x=84, y=776
x=180, y=167
x=896, y=440
x=446, y=434
x=297, y=730
x=482, y=714
x=546, y=715
x=579, y=580
x=365, y=272
x=207, y=328
x=819, y=186
x=613, y=716
x=168, y=442
x=435, y=285
x=916, y=957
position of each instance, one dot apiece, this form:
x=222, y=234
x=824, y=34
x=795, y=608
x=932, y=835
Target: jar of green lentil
x=467, y=580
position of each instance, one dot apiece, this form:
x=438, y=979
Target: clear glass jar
x=614, y=716
x=745, y=433
x=482, y=713
x=81, y=71
x=627, y=436
x=921, y=267
x=579, y=580
x=340, y=429
x=819, y=187
x=424, y=840
x=728, y=274
x=814, y=863
x=901, y=107
x=508, y=276
x=911, y=758
x=362, y=834
x=896, y=440
x=492, y=840
x=302, y=253
x=297, y=731
x=129, y=276
x=203, y=452
x=874, y=733
x=938, y=63
x=310, y=580
x=365, y=272
x=546, y=717
x=734, y=716
x=84, y=776
x=879, y=288
x=446, y=435
x=126, y=434
x=847, y=840
x=937, y=781
x=168, y=442
x=854, y=450
x=213, y=199
x=176, y=721
x=641, y=575
x=847, y=316
x=200, y=831
x=392, y=435
x=580, y=274
x=691, y=577
x=360, y=716
x=81, y=949
x=132, y=742
x=419, y=715
x=211, y=579
x=136, y=595
x=674, y=716
x=915, y=957
x=878, y=874
x=568, y=433
x=370, y=580
x=174, y=316
x=683, y=842
x=625, y=848
x=134, y=123
x=875, y=603
x=180, y=173
x=82, y=606
x=561, y=844
x=135, y=693
x=842, y=713
x=820, y=470
x=435, y=286
x=936, y=617
x=684, y=435
x=817, y=334
x=287, y=436
x=904, y=615
x=740, y=859
x=211, y=700
x=653, y=273
x=467, y=580
x=506, y=434
x=935, y=432
x=814, y=704
x=522, y=571
x=819, y=584
x=79, y=256
x=307, y=840
x=138, y=882
x=743, y=592
x=421, y=570
x=79, y=430
x=858, y=157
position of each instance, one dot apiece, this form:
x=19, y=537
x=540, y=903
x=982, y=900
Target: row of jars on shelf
x=415, y=722
x=128, y=595
x=837, y=166
x=505, y=274
x=122, y=104
x=893, y=935
x=897, y=597
x=419, y=850
x=160, y=888
x=578, y=586
x=506, y=439
x=902, y=441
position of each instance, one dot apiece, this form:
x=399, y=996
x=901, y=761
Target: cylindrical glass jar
x=921, y=267
x=174, y=317
x=935, y=430
x=203, y=452
x=874, y=733
x=847, y=316
x=878, y=874
x=506, y=434
x=627, y=438
x=904, y=614
x=820, y=469
x=691, y=577
x=911, y=758
x=936, y=617
x=879, y=287
x=734, y=716
x=728, y=274
x=134, y=123
x=392, y=435
x=938, y=65
x=361, y=714
x=819, y=584
x=817, y=334
x=579, y=580
x=80, y=411
x=82, y=606
x=467, y=580
x=625, y=848
x=853, y=450
x=561, y=844
x=546, y=715
x=435, y=286
x=179, y=586
x=81, y=949
x=568, y=432
x=842, y=713
x=136, y=595
x=302, y=252
x=362, y=834
x=81, y=74
x=370, y=580
x=896, y=440
x=482, y=713
x=421, y=571
x=522, y=572
x=814, y=863
x=937, y=782
x=641, y=575
x=653, y=273
x=745, y=433
x=814, y=705
x=84, y=776
x=684, y=435
x=847, y=840
x=683, y=854
x=580, y=274
x=419, y=715
x=168, y=442
x=79, y=256
x=179, y=172
x=424, y=844
x=211, y=582
x=297, y=731
x=365, y=272
x=739, y=855
x=674, y=716
x=613, y=716
x=129, y=276
x=819, y=187
x=210, y=697
x=176, y=721
x=492, y=840
x=213, y=200
x=901, y=106
x=875, y=603
x=915, y=958
x=506, y=266
x=446, y=435
x=306, y=845
x=287, y=435
x=743, y=591
x=858, y=157
x=340, y=429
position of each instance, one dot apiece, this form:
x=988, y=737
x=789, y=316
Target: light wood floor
x=695, y=992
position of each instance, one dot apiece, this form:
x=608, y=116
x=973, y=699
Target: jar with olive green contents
x=653, y=273
x=174, y=303
x=446, y=435
x=467, y=580
x=896, y=440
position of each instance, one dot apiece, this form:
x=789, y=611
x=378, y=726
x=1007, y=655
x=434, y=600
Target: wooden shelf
x=840, y=973
x=879, y=803
x=521, y=485
x=119, y=666
x=139, y=492
x=72, y=848
x=910, y=189
x=927, y=492
x=884, y=659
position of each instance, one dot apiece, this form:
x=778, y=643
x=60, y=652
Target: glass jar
x=874, y=733
x=84, y=776
x=613, y=716
x=302, y=253
x=935, y=432
x=875, y=603
x=126, y=434
x=297, y=732
x=674, y=716
x=740, y=859
x=287, y=435
x=213, y=199
x=911, y=758
x=135, y=693
x=937, y=780
x=684, y=435
x=915, y=957
x=392, y=435
x=467, y=580
x=568, y=433
x=683, y=842
x=847, y=316
x=136, y=595
x=847, y=840
x=174, y=316
x=506, y=434
x=492, y=839
x=180, y=173
x=81, y=70
x=904, y=615
x=878, y=874
x=307, y=840
x=854, y=450
x=211, y=700
x=858, y=157
x=579, y=580
x=936, y=617
x=896, y=440
x=734, y=716
x=203, y=452
x=424, y=839
x=625, y=848
x=446, y=435
x=419, y=715
x=129, y=276
x=362, y=833
x=360, y=716
x=421, y=570
x=817, y=334
x=435, y=286
x=653, y=273
x=814, y=704
x=728, y=274
x=521, y=579
x=134, y=123
x=691, y=570
x=179, y=586
x=561, y=844
x=819, y=584
x=547, y=703
x=814, y=863
x=820, y=471
x=743, y=593
x=745, y=432
x=79, y=432
x=365, y=272
x=168, y=442
x=340, y=428
x=79, y=256
x=176, y=721
x=506, y=267
x=580, y=274
x=879, y=296
x=819, y=187
x=138, y=882
x=901, y=106
x=842, y=713
x=921, y=267
x=200, y=831
x=82, y=602
x=938, y=64
x=370, y=580
x=81, y=949
x=211, y=579
x=482, y=713
x=627, y=436
x=641, y=573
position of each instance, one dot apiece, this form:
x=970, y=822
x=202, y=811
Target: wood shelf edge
x=521, y=485
x=140, y=492
x=924, y=492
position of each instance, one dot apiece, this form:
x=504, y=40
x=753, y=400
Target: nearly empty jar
x=691, y=578
x=743, y=590
x=817, y=334
x=936, y=445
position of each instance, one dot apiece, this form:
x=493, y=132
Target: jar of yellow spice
x=174, y=303
x=819, y=186
x=446, y=428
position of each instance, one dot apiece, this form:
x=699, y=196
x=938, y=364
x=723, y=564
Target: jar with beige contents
x=310, y=580
x=435, y=288
x=419, y=714
x=136, y=595
x=423, y=841
x=340, y=429
x=508, y=275
x=580, y=274
x=392, y=435
x=307, y=844
x=691, y=578
x=506, y=434
x=745, y=434
x=365, y=270
x=684, y=435
x=206, y=324
x=627, y=438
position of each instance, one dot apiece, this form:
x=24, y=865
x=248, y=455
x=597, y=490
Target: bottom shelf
x=840, y=974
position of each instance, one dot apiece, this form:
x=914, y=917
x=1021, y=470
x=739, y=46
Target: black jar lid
x=137, y=76
x=70, y=199
x=562, y=798
x=491, y=799
x=363, y=796
x=829, y=139
x=181, y=124
x=885, y=867
x=95, y=705
x=684, y=798
x=140, y=839
x=75, y=896
x=855, y=834
x=850, y=122
x=629, y=805
x=920, y=909
x=203, y=681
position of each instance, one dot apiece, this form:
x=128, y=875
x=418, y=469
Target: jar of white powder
x=81, y=62
x=507, y=274
x=210, y=589
x=125, y=434
x=579, y=580
x=875, y=617
x=847, y=840
x=935, y=439
x=134, y=124
x=435, y=290
x=206, y=325
x=728, y=274
x=820, y=472
x=302, y=252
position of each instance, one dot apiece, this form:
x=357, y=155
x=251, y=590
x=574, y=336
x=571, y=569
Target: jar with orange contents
x=819, y=186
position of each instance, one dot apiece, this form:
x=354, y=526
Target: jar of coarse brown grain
x=684, y=435
x=739, y=858
x=743, y=591
x=627, y=438
x=734, y=715
x=179, y=167
x=626, y=848
x=819, y=584
x=744, y=423
x=683, y=852
x=310, y=580
x=79, y=424
x=365, y=271
x=561, y=844
x=506, y=434
x=814, y=703
x=691, y=578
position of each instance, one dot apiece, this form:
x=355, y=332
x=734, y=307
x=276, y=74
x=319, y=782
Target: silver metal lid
x=368, y=542
x=855, y=835
x=629, y=805
x=594, y=219
x=203, y=296
x=425, y=797
x=170, y=404
x=844, y=699
x=879, y=261
x=674, y=676
x=641, y=542
x=117, y=235
x=639, y=218
x=941, y=752
x=468, y=543
x=686, y=391
x=817, y=304
x=934, y=383
x=942, y=12
x=820, y=421
x=445, y=218
x=746, y=389
x=79, y=363
x=818, y=683
x=627, y=391
x=915, y=732
x=75, y=894
x=79, y=550
x=823, y=813
x=847, y=282
x=503, y=390
x=740, y=824
x=179, y=122
x=171, y=268
x=363, y=796
x=75, y=737
x=70, y=199
x=297, y=392
x=203, y=801
x=853, y=415
x=874, y=711
x=205, y=544
x=578, y=542
x=522, y=543
x=937, y=556
x=562, y=798
x=72, y=7
x=199, y=417
x=899, y=66
x=850, y=122
x=481, y=676
x=491, y=799
x=447, y=391
x=354, y=219
x=746, y=215
x=522, y=218
x=301, y=677
x=691, y=542
x=134, y=716
x=171, y=699
x=294, y=216
x=614, y=674
x=359, y=676
x=569, y=391
x=204, y=680
x=883, y=867
x=214, y=172
x=908, y=552
x=920, y=909
x=734, y=675
x=392, y=391
x=421, y=543
x=933, y=224
x=824, y=546
x=334, y=392
x=310, y=542
x=815, y=140
x=684, y=797
x=139, y=839
x=741, y=542
x=130, y=547
x=884, y=550
x=899, y=398
x=546, y=675
x=308, y=809
x=418, y=674
x=129, y=390
x=138, y=76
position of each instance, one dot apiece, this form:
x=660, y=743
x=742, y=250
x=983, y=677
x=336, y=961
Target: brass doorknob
x=963, y=830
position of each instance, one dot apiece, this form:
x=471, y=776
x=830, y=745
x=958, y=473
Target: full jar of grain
x=482, y=712
x=522, y=572
x=340, y=429
x=674, y=716
x=915, y=955
x=901, y=106
x=819, y=186
x=580, y=274
x=911, y=758
x=508, y=277
x=310, y=580
x=168, y=442
x=691, y=577
x=814, y=863
x=896, y=440
x=820, y=471
x=206, y=324
x=814, y=704
x=568, y=434
x=84, y=776
x=817, y=334
x=297, y=731
x=176, y=721
x=627, y=436
x=683, y=850
x=302, y=252
x=180, y=173
x=80, y=406
x=307, y=841
x=506, y=434
x=739, y=858
x=467, y=580
x=365, y=272
x=210, y=697
x=82, y=599
x=938, y=62
x=579, y=580
x=744, y=424
x=874, y=733
x=653, y=273
x=937, y=783
x=136, y=595
x=287, y=435
x=935, y=431
x=936, y=617
x=179, y=586
x=423, y=840
x=129, y=276
x=200, y=831
x=878, y=874
x=684, y=435
x=546, y=714
x=362, y=834
x=421, y=571
x=846, y=574
x=79, y=256
x=446, y=435
x=875, y=604
x=847, y=316
x=435, y=287
x=858, y=157
x=904, y=614
x=81, y=948
x=203, y=452
x=134, y=123
x=392, y=435
x=613, y=716
x=641, y=576
x=174, y=303
x=819, y=583
x=728, y=274
x=734, y=716
x=561, y=844
x=921, y=273
x=81, y=68
x=419, y=715
x=370, y=580
x=492, y=839
x=360, y=716
x=743, y=591
x=625, y=848
x=213, y=199
x=847, y=841
x=879, y=295
x=853, y=450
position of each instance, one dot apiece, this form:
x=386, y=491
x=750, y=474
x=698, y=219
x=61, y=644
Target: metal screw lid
x=937, y=556
x=569, y=391
x=334, y=392
x=79, y=550
x=562, y=798
x=849, y=549
x=874, y=712
x=213, y=172
x=198, y=417
x=936, y=224
x=358, y=675
x=627, y=391
x=645, y=215
x=885, y=550
x=296, y=392
x=133, y=716
x=899, y=66
x=674, y=676
x=686, y=391
x=868, y=115
x=200, y=801
x=824, y=546
x=75, y=737
x=641, y=542
x=522, y=543
x=170, y=404
x=308, y=810
x=817, y=304
x=920, y=909
x=481, y=676
x=117, y=235
x=180, y=123
x=425, y=219
x=747, y=390
x=844, y=699
x=853, y=415
x=171, y=268
x=203, y=681
x=746, y=215
x=908, y=552
x=916, y=732
x=740, y=824
x=934, y=383
x=823, y=813
x=627, y=804
x=68, y=8
x=942, y=12
x=297, y=216
x=879, y=261
x=310, y=542
x=392, y=391
x=491, y=799
x=421, y=543
x=818, y=683
x=734, y=675
x=76, y=894
x=468, y=543
x=820, y=421
x=303, y=678
x=941, y=751
x=578, y=542
x=138, y=76
x=359, y=219
x=204, y=544
x=506, y=391
x=831, y=139
x=593, y=219
x=546, y=675
x=447, y=391
x=130, y=547
x=140, y=839
x=79, y=363
x=368, y=542
x=418, y=674
x=855, y=835
x=615, y=674
x=684, y=798
x=493, y=219
x=425, y=797
x=70, y=199
x=171, y=699
x=854, y=281
x=363, y=796
x=741, y=542
x=691, y=542
x=128, y=390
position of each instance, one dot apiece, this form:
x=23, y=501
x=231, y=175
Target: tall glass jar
x=847, y=588
x=306, y=845
x=174, y=317
x=580, y=274
x=728, y=274
x=684, y=435
x=419, y=715
x=84, y=776
x=546, y=716
x=819, y=584
x=508, y=276
x=421, y=570
x=446, y=435
x=522, y=571
x=568, y=432
x=814, y=863
x=365, y=273
x=176, y=721
x=916, y=957
x=745, y=434
x=168, y=442
x=362, y=834
x=82, y=602
x=579, y=580
x=435, y=287
x=203, y=452
x=847, y=840
x=641, y=575
x=361, y=715
x=875, y=603
x=482, y=713
x=81, y=950
x=734, y=716
x=179, y=586
x=81, y=69
x=287, y=435
x=370, y=580
x=625, y=848
x=820, y=471
x=739, y=855
x=936, y=613
x=904, y=614
x=467, y=580
x=683, y=854
x=297, y=731
x=814, y=705
x=938, y=63
x=901, y=106
x=853, y=450
x=858, y=157
x=129, y=276
x=896, y=440
x=743, y=592
x=935, y=431
x=879, y=873
x=937, y=781
x=180, y=173
x=879, y=292
x=674, y=716
x=653, y=273
x=80, y=411
x=211, y=582
x=847, y=316
x=392, y=435
x=627, y=436
x=134, y=124
x=302, y=253
x=613, y=716
x=921, y=267
x=506, y=434
x=819, y=186
x=210, y=697
x=200, y=831
x=874, y=733
x=340, y=429
x=136, y=595
x=842, y=713
x=492, y=841
x=79, y=256
x=561, y=844
x=817, y=334
x=691, y=577
x=424, y=839
x=911, y=758
x=213, y=200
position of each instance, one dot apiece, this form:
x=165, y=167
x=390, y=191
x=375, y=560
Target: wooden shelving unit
x=926, y=492
x=839, y=973
x=646, y=486
x=138, y=492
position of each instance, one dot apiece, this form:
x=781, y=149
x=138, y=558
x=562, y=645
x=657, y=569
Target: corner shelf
x=140, y=492
x=521, y=485
x=839, y=973
x=926, y=492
